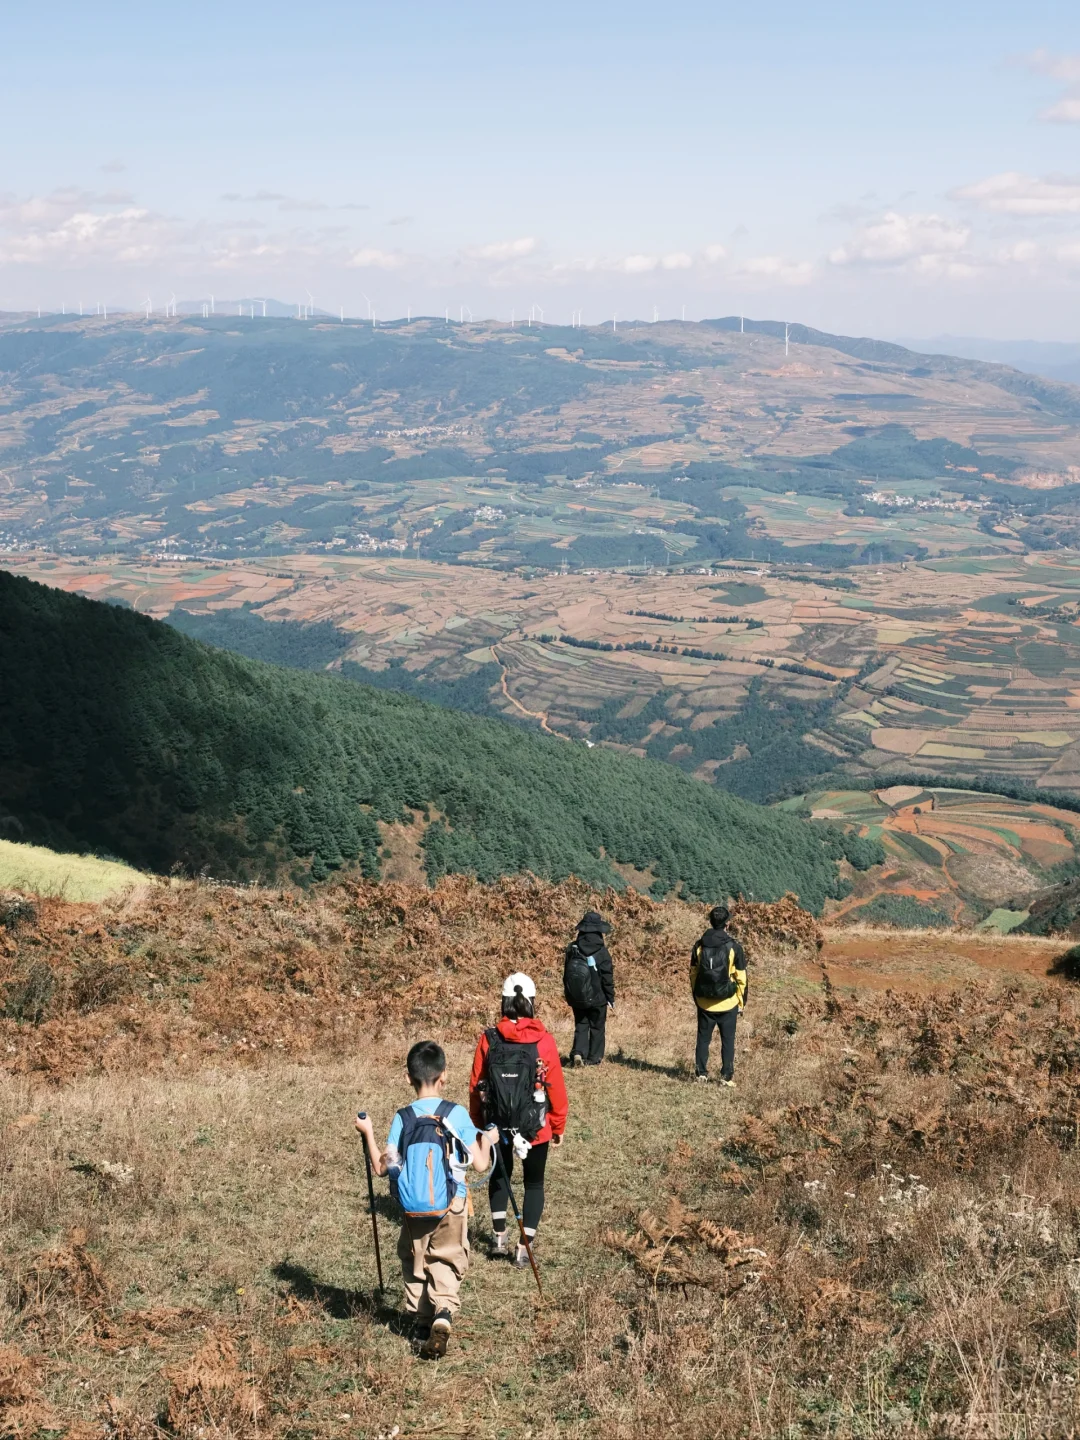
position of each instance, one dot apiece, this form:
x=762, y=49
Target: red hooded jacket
x=525, y=1032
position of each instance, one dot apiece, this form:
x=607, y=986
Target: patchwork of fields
x=951, y=855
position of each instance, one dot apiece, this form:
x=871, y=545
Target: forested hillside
x=119, y=733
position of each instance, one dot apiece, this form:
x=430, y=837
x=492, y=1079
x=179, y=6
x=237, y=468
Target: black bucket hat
x=591, y=923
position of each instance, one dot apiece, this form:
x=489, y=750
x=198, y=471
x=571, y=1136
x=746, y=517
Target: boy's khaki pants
x=434, y=1257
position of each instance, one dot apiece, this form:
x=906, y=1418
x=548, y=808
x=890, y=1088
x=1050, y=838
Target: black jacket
x=591, y=943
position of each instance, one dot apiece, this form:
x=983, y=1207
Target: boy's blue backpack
x=424, y=1185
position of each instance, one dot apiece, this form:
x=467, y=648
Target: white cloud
x=72, y=228
x=677, y=260
x=503, y=249
x=638, y=264
x=1065, y=111
x=1013, y=193
x=715, y=253
x=778, y=269
x=376, y=260
x=1059, y=67
x=926, y=243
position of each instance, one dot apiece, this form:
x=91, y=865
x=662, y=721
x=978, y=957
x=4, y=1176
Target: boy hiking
x=718, y=984
x=431, y=1144
x=589, y=988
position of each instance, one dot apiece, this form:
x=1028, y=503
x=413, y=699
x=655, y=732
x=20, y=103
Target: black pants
x=532, y=1169
x=724, y=1021
x=589, y=1037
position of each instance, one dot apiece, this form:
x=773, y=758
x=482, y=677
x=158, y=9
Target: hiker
x=517, y=1082
x=718, y=983
x=589, y=988
x=429, y=1148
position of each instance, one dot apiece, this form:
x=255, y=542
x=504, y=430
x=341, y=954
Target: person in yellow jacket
x=718, y=984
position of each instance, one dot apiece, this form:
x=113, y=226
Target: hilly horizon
x=230, y=437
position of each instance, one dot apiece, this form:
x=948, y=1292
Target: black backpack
x=511, y=1083
x=581, y=983
x=716, y=972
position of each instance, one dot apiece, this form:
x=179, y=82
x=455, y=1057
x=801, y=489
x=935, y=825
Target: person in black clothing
x=589, y=988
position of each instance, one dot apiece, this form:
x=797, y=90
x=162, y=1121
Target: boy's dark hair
x=426, y=1062
x=719, y=915
x=517, y=1007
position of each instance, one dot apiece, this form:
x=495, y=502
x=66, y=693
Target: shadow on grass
x=631, y=1062
x=337, y=1302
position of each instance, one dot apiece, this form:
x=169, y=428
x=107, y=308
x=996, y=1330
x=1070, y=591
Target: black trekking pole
x=362, y=1115
x=517, y=1215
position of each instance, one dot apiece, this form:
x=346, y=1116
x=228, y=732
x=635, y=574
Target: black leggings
x=532, y=1169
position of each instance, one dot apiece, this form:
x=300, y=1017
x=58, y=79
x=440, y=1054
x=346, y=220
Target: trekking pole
x=517, y=1215
x=362, y=1115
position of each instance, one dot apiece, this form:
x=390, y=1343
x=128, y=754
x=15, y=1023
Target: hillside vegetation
x=117, y=732
x=875, y=1234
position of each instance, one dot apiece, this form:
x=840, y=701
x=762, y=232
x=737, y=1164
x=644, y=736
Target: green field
x=39, y=871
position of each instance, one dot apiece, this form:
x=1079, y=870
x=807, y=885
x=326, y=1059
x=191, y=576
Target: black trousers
x=589, y=1034
x=532, y=1170
x=724, y=1021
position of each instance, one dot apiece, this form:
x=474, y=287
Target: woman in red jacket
x=519, y=1026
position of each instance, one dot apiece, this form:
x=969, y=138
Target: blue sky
x=871, y=168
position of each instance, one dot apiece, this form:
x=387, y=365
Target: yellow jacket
x=736, y=972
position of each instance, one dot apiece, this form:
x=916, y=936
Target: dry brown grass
x=875, y=1235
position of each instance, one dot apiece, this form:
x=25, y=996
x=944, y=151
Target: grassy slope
x=233, y=1268
x=39, y=871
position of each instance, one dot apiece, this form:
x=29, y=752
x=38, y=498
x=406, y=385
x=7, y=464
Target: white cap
x=518, y=981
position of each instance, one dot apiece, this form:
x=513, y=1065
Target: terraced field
x=966, y=857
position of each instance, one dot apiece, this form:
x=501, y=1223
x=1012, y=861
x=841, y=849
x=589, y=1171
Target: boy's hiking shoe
x=499, y=1248
x=702, y=1079
x=521, y=1256
x=730, y=1084
x=578, y=1061
x=434, y=1347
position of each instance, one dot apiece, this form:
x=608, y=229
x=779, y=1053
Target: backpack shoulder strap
x=445, y=1109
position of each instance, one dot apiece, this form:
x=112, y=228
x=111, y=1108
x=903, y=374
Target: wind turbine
x=541, y=309
x=264, y=309
x=368, y=303
x=787, y=329
x=211, y=304
x=173, y=302
x=614, y=322
x=149, y=307
x=655, y=314
x=741, y=319
x=311, y=303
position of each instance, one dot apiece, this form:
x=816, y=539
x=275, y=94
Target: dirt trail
x=532, y=714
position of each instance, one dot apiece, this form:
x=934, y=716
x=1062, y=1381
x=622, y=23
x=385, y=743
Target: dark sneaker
x=434, y=1347
x=499, y=1248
